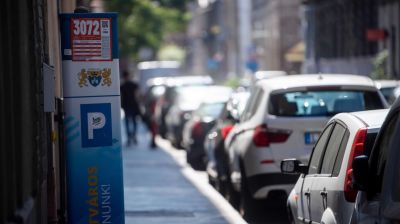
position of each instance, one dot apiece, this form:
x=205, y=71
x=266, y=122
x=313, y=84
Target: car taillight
x=357, y=149
x=197, y=129
x=225, y=131
x=263, y=136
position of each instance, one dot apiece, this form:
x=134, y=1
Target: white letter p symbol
x=96, y=120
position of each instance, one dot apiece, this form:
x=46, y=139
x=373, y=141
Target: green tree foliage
x=379, y=62
x=144, y=23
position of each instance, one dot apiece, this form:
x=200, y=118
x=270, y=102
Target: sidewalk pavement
x=160, y=188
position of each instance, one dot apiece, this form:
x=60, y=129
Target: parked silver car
x=323, y=193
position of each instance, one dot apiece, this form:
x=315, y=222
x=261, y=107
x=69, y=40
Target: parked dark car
x=164, y=102
x=196, y=129
x=377, y=176
x=217, y=163
x=187, y=100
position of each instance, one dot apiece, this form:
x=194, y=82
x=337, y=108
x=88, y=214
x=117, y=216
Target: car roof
x=157, y=81
x=298, y=81
x=188, y=80
x=371, y=118
x=269, y=74
x=158, y=64
x=386, y=83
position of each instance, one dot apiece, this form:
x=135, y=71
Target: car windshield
x=323, y=103
x=157, y=91
x=212, y=110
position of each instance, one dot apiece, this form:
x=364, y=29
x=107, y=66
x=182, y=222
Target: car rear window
x=212, y=110
x=323, y=103
x=157, y=91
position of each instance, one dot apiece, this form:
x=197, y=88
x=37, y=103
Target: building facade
x=218, y=38
x=345, y=36
x=389, y=21
x=275, y=33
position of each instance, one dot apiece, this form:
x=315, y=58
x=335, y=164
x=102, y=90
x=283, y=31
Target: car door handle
x=307, y=193
x=324, y=193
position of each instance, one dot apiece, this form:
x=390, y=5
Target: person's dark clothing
x=130, y=118
x=129, y=100
x=131, y=106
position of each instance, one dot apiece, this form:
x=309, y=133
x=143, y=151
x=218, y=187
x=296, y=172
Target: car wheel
x=162, y=132
x=211, y=181
x=222, y=181
x=233, y=196
x=247, y=202
x=174, y=144
x=222, y=186
x=223, y=175
x=252, y=210
x=197, y=163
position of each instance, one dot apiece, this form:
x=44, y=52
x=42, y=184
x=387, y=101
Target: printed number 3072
x=86, y=27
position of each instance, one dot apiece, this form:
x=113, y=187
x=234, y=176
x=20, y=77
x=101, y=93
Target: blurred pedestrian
x=148, y=118
x=131, y=105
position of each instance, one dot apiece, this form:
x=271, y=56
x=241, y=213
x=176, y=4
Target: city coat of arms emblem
x=94, y=77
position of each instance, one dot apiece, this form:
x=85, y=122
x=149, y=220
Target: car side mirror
x=360, y=173
x=293, y=166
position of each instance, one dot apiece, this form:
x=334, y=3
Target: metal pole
x=59, y=118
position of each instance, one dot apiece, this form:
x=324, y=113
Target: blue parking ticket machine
x=92, y=118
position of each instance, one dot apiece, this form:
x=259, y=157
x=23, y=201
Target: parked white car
x=283, y=119
x=324, y=193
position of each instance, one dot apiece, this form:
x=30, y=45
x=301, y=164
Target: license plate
x=310, y=138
